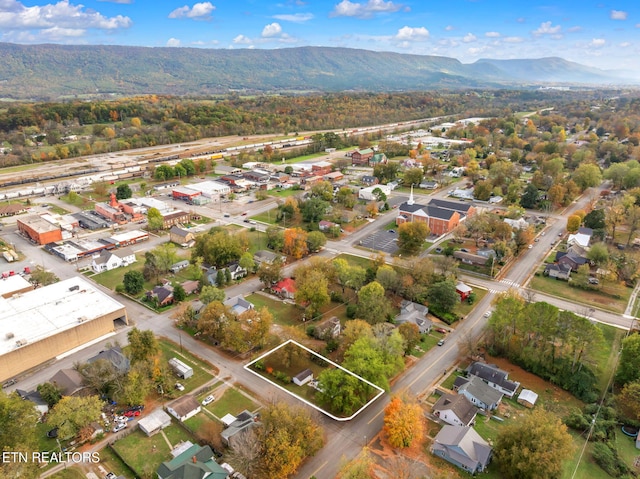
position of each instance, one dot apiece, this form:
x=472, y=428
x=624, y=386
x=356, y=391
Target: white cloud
x=492, y=34
x=242, y=40
x=624, y=44
x=364, y=10
x=61, y=34
x=173, y=42
x=412, y=34
x=513, y=39
x=476, y=50
x=295, y=18
x=199, y=11
x=469, y=37
x=618, y=15
x=61, y=16
x=577, y=28
x=597, y=42
x=117, y=1
x=449, y=28
x=547, y=29
x=271, y=30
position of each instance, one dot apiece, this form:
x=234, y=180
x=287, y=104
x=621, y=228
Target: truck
x=7, y=256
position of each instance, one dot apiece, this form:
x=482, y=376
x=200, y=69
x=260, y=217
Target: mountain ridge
x=51, y=71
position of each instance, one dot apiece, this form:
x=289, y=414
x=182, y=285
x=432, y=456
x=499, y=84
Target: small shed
x=527, y=398
x=463, y=290
x=181, y=369
x=154, y=422
x=303, y=377
x=179, y=265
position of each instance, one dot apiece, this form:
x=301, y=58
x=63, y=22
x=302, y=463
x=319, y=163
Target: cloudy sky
x=597, y=33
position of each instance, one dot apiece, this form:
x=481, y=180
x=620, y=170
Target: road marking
x=316, y=471
x=374, y=417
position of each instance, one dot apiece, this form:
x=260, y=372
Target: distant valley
x=53, y=72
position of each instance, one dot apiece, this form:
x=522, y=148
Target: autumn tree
x=270, y=272
x=18, y=419
x=315, y=241
x=403, y=422
x=72, y=413
x=143, y=345
x=442, y=296
x=50, y=392
x=211, y=293
x=534, y=447
x=373, y=305
x=295, y=242
x=341, y=392
x=573, y=223
x=359, y=468
x=137, y=385
x=353, y=330
x=42, y=277
x=411, y=236
x=312, y=291
x=411, y=335
x=218, y=247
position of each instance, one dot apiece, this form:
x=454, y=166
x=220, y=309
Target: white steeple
x=410, y=202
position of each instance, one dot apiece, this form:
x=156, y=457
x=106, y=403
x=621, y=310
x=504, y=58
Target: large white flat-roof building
x=36, y=326
x=210, y=189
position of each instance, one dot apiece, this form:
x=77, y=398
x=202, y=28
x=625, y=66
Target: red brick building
x=442, y=216
x=39, y=230
x=362, y=157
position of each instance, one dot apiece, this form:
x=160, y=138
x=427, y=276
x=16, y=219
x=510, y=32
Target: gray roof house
x=35, y=397
x=69, y=381
x=115, y=357
x=414, y=313
x=494, y=377
x=265, y=256
x=455, y=409
x=238, y=304
x=243, y=421
x=558, y=271
x=463, y=447
x=480, y=393
x=183, y=408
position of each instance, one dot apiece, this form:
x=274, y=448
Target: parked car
x=208, y=400
x=131, y=413
x=119, y=427
x=179, y=387
x=246, y=220
x=441, y=342
x=594, y=281
x=252, y=222
x=110, y=475
x=392, y=231
x=8, y=383
x=487, y=314
x=442, y=330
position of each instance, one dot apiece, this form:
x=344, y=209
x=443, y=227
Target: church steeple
x=410, y=201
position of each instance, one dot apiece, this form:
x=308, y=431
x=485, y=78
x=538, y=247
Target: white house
x=582, y=238
x=455, y=409
x=108, y=260
x=184, y=408
x=303, y=377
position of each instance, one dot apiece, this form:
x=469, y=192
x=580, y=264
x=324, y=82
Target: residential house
x=369, y=180
x=494, y=377
x=527, y=398
x=183, y=408
x=238, y=304
x=334, y=176
x=162, y=294
x=12, y=209
x=428, y=185
x=303, y=377
x=558, y=271
x=463, y=290
x=69, y=381
x=179, y=266
x=237, y=271
x=378, y=159
x=115, y=357
x=455, y=409
x=480, y=393
x=285, y=288
x=581, y=238
x=518, y=224
x=34, y=396
x=242, y=422
x=328, y=328
x=190, y=287
x=486, y=252
x=571, y=259
x=463, y=447
x=181, y=236
x=154, y=422
x=197, y=462
x=265, y=256
x=362, y=157
x=325, y=225
x=470, y=258
x=414, y=313
x=108, y=260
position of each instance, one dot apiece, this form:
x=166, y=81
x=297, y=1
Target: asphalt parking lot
x=384, y=241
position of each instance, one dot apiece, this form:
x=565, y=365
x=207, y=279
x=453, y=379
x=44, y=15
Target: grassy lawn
x=78, y=201
x=268, y=217
x=463, y=308
x=231, y=402
x=71, y=473
x=257, y=241
x=202, y=371
x=611, y=296
x=177, y=434
x=605, y=354
x=427, y=341
x=113, y=463
x=283, y=313
x=283, y=193
x=198, y=421
x=110, y=279
x=355, y=260
x=144, y=454
x=58, y=210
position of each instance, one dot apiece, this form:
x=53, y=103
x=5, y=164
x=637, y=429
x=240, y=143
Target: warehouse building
x=37, y=326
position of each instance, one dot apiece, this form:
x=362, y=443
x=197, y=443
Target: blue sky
x=600, y=34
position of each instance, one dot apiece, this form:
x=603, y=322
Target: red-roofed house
x=285, y=288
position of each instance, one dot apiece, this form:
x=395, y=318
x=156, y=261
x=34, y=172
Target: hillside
x=58, y=71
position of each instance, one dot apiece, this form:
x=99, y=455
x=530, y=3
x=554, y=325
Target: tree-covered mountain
x=58, y=71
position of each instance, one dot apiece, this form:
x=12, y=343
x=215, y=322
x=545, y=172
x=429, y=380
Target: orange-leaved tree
x=295, y=242
x=403, y=423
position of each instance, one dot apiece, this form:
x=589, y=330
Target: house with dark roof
x=197, y=462
x=183, y=408
x=190, y=287
x=181, y=236
x=494, y=377
x=558, y=271
x=414, y=313
x=114, y=356
x=455, y=409
x=69, y=381
x=464, y=209
x=480, y=393
x=303, y=377
x=369, y=180
x=463, y=447
x=571, y=259
x=238, y=304
x=470, y=258
x=163, y=294
x=328, y=328
x=34, y=396
x=242, y=422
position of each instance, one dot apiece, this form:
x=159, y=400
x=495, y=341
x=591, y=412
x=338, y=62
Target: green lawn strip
x=45, y=443
x=427, y=341
x=355, y=260
x=463, y=308
x=110, y=279
x=268, y=217
x=257, y=241
x=283, y=313
x=626, y=447
x=590, y=298
x=198, y=421
x=70, y=473
x=58, y=210
x=605, y=354
x=113, y=463
x=450, y=379
x=202, y=370
x=177, y=434
x=143, y=453
x=232, y=402
x=283, y=193
x=587, y=468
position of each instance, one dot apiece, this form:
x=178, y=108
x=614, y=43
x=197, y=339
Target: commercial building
x=39, y=230
x=36, y=326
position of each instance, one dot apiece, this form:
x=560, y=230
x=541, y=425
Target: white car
x=179, y=387
x=119, y=427
x=208, y=400
x=487, y=314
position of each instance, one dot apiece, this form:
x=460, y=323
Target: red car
x=442, y=330
x=132, y=413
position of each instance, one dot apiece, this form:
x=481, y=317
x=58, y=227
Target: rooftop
x=38, y=224
x=12, y=284
x=46, y=311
